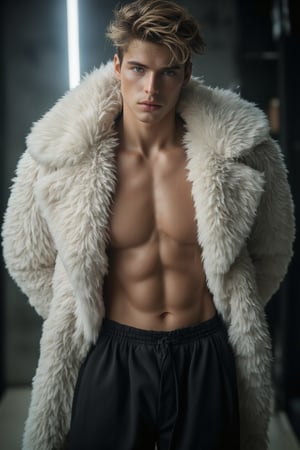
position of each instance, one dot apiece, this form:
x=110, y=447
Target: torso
x=156, y=278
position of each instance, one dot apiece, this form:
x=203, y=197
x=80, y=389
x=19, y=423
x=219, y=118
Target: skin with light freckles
x=156, y=278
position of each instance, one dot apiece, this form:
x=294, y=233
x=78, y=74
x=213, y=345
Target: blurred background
x=253, y=48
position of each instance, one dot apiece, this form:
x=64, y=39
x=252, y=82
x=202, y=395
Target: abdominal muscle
x=159, y=285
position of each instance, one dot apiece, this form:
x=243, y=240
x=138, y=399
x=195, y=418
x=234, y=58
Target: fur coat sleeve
x=270, y=243
x=28, y=247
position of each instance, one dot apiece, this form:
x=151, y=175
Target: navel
x=164, y=314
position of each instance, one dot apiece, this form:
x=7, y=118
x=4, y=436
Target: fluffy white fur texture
x=55, y=235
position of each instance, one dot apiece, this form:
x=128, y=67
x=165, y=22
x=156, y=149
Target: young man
x=150, y=217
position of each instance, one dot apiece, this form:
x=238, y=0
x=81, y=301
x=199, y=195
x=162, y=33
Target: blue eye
x=170, y=73
x=138, y=69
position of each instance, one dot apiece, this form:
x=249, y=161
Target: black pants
x=174, y=389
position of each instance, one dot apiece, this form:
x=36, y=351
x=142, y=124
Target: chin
x=150, y=120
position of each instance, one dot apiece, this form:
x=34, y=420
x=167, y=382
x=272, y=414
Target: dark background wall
x=269, y=69
x=244, y=53
x=35, y=75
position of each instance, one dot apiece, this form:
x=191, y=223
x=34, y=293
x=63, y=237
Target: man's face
x=150, y=85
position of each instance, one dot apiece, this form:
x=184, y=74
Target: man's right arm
x=28, y=248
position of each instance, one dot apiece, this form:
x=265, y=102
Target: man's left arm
x=270, y=243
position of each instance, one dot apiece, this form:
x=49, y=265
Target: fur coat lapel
x=75, y=141
x=221, y=128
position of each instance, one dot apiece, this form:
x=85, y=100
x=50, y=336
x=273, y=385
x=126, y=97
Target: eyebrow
x=136, y=63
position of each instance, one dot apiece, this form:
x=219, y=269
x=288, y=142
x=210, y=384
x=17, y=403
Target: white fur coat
x=55, y=235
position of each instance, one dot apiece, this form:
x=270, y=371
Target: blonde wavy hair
x=159, y=21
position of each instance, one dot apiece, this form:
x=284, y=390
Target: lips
x=149, y=106
x=149, y=103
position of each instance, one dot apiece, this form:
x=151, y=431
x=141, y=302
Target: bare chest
x=153, y=199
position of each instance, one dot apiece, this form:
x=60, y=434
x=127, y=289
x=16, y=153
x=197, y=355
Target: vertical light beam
x=73, y=43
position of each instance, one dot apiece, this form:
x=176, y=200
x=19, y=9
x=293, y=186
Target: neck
x=148, y=137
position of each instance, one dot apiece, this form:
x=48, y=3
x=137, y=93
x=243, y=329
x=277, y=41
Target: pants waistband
x=180, y=335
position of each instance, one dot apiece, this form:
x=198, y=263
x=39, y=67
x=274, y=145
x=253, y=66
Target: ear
x=187, y=73
x=117, y=67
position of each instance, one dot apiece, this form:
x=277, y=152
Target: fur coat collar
x=229, y=125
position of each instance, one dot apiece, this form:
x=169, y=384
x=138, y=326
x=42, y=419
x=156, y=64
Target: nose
x=151, y=87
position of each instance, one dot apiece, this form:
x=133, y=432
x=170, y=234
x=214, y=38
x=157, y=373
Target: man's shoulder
x=215, y=97
x=222, y=118
x=73, y=124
